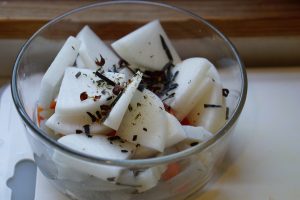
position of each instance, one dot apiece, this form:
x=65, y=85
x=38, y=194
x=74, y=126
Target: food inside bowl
x=136, y=100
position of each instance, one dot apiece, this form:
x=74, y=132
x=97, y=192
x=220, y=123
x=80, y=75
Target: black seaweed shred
x=225, y=92
x=77, y=74
x=166, y=48
x=93, y=117
x=227, y=113
x=194, y=144
x=212, y=106
x=107, y=80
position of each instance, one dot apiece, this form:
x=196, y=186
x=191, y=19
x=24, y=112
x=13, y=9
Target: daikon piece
x=52, y=79
x=145, y=122
x=75, y=124
x=192, y=83
x=128, y=74
x=79, y=62
x=99, y=146
x=144, y=152
x=118, y=111
x=196, y=133
x=93, y=51
x=194, y=136
x=147, y=47
x=82, y=91
x=175, y=131
x=210, y=111
x=142, y=180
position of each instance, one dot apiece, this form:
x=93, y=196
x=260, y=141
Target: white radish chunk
x=210, y=111
x=79, y=62
x=98, y=146
x=191, y=82
x=214, y=74
x=128, y=74
x=196, y=133
x=176, y=133
x=78, y=81
x=144, y=152
x=118, y=111
x=145, y=122
x=194, y=136
x=52, y=79
x=144, y=47
x=93, y=48
x=142, y=180
x=70, y=124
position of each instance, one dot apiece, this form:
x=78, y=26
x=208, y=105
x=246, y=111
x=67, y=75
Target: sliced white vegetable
x=68, y=100
x=192, y=83
x=211, y=118
x=98, y=146
x=143, y=47
x=91, y=49
x=194, y=135
x=214, y=74
x=118, y=111
x=144, y=152
x=79, y=62
x=145, y=119
x=142, y=180
x=176, y=133
x=51, y=80
x=128, y=74
x=69, y=124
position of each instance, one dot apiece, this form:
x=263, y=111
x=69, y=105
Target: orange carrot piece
x=172, y=170
x=52, y=104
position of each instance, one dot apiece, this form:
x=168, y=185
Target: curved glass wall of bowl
x=191, y=36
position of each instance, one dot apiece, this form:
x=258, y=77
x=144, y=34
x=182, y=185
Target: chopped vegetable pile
x=134, y=101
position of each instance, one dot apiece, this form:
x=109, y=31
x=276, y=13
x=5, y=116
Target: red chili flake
x=113, y=133
x=105, y=107
x=83, y=96
x=97, y=97
x=117, y=89
x=185, y=121
x=101, y=62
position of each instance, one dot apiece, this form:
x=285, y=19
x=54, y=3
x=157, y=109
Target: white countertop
x=263, y=161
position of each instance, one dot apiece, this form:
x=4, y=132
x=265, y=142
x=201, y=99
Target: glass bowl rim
x=134, y=162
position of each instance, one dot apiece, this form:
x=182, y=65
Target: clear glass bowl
x=191, y=35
